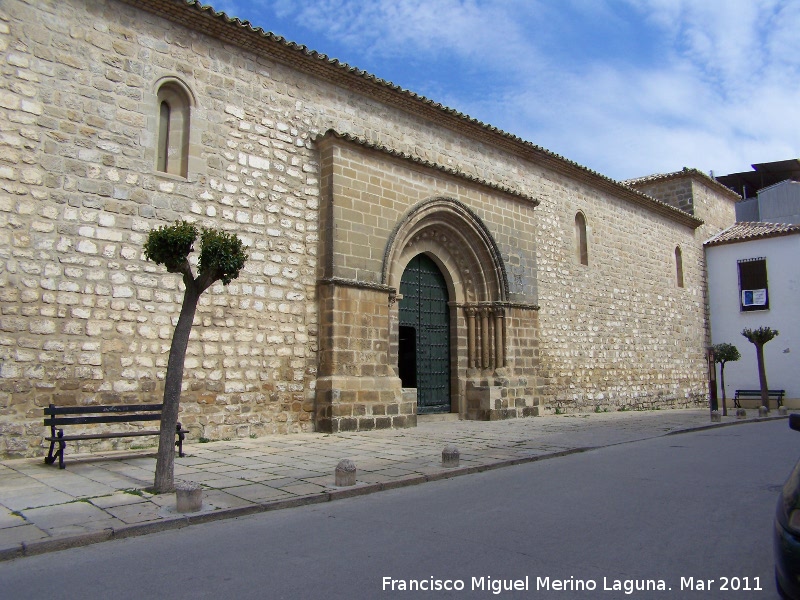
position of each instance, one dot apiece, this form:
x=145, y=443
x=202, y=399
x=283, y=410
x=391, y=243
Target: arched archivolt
x=458, y=241
x=178, y=86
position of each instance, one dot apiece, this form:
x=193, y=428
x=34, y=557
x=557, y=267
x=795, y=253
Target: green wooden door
x=424, y=357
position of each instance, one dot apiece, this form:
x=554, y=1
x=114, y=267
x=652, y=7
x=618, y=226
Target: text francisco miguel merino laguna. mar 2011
x=572, y=584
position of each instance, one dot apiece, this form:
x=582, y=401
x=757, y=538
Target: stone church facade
x=404, y=259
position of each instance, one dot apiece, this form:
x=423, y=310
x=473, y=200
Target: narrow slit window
x=163, y=137
x=679, y=266
x=580, y=239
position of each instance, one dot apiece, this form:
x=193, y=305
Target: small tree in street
x=724, y=353
x=222, y=256
x=759, y=337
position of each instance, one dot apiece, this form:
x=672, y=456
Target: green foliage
x=170, y=245
x=222, y=253
x=760, y=336
x=725, y=353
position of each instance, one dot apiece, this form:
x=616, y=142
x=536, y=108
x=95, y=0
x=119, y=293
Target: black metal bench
x=86, y=415
x=777, y=394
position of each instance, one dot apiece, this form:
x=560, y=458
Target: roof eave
x=195, y=16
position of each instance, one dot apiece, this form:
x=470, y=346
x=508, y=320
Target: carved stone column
x=484, y=338
x=470, y=312
x=499, y=335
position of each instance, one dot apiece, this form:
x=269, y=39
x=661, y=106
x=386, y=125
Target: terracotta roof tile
x=746, y=231
x=685, y=172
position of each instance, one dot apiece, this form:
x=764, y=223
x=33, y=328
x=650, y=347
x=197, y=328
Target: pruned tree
x=724, y=353
x=759, y=337
x=222, y=256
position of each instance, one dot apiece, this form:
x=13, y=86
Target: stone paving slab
x=104, y=496
x=10, y=519
x=13, y=538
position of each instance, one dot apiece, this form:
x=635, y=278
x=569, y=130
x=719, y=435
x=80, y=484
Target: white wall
x=782, y=354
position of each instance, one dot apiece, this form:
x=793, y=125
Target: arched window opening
x=679, y=265
x=173, y=130
x=580, y=239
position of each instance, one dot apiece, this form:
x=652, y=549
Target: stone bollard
x=189, y=496
x=741, y=413
x=782, y=411
x=345, y=473
x=763, y=411
x=716, y=416
x=450, y=456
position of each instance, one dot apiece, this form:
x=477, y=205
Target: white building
x=754, y=281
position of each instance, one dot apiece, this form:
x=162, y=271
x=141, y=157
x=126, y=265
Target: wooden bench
x=777, y=394
x=86, y=415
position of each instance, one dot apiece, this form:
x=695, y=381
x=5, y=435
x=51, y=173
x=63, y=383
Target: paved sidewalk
x=101, y=496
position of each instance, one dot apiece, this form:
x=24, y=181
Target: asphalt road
x=690, y=513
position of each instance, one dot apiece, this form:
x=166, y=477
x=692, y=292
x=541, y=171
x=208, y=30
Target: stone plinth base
x=363, y=404
x=498, y=398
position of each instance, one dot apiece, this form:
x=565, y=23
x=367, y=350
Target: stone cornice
x=500, y=304
x=354, y=283
x=195, y=16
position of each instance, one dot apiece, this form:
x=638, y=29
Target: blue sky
x=624, y=87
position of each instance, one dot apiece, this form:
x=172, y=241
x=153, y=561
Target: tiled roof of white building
x=746, y=231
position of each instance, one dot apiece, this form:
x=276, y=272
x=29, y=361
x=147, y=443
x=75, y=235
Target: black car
x=787, y=531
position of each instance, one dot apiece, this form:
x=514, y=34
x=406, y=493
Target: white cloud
x=725, y=95
x=627, y=88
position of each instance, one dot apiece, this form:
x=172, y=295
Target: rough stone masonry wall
x=618, y=332
x=712, y=203
x=83, y=318
x=675, y=191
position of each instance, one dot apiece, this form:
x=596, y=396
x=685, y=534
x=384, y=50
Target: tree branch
x=181, y=268
x=207, y=278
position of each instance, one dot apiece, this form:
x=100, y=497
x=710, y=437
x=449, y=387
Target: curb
x=179, y=522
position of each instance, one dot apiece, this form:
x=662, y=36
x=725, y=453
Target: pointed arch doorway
x=424, y=341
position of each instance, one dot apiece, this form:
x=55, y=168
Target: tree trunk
x=722, y=383
x=762, y=375
x=165, y=463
